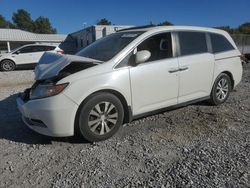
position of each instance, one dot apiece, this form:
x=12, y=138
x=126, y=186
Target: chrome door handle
x=173, y=70
x=183, y=68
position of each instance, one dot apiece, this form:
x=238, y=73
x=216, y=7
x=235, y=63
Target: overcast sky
x=68, y=16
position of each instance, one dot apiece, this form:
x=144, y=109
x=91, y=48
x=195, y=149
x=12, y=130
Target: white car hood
x=51, y=64
x=5, y=55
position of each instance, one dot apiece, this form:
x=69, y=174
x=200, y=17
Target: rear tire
x=100, y=117
x=7, y=65
x=221, y=89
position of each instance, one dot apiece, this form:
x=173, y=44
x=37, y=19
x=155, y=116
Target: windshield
x=107, y=47
x=16, y=49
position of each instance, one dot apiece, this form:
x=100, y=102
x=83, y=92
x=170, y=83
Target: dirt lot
x=195, y=146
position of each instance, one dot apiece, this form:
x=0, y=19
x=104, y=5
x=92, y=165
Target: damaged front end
x=50, y=69
x=53, y=65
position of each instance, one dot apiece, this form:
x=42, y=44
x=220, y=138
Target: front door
x=154, y=84
x=24, y=55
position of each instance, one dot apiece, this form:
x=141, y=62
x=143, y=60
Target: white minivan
x=25, y=56
x=128, y=75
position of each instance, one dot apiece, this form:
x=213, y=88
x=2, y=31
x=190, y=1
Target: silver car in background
x=26, y=56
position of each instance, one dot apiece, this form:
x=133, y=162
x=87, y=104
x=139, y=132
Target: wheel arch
x=231, y=78
x=8, y=60
x=126, y=107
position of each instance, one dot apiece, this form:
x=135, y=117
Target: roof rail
x=138, y=27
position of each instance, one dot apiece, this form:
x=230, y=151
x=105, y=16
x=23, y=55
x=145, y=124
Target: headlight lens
x=42, y=91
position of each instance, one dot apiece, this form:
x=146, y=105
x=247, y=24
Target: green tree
x=226, y=28
x=43, y=25
x=165, y=23
x=22, y=20
x=103, y=21
x=244, y=28
x=10, y=25
x=5, y=24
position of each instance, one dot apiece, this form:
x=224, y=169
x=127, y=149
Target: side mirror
x=17, y=52
x=142, y=56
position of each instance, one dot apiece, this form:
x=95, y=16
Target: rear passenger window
x=38, y=48
x=192, y=43
x=220, y=43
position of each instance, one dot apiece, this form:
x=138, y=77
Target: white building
x=13, y=38
x=82, y=38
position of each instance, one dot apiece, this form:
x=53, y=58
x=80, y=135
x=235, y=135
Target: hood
x=51, y=64
x=5, y=54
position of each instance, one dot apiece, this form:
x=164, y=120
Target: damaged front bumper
x=52, y=116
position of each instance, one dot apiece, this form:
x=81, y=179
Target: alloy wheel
x=222, y=89
x=102, y=118
x=8, y=65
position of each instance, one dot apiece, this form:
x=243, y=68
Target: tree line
x=22, y=20
x=105, y=21
x=242, y=29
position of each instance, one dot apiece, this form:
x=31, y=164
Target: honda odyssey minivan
x=127, y=75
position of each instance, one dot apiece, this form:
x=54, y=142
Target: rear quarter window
x=220, y=43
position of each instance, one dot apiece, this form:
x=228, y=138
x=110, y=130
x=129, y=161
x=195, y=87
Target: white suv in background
x=127, y=75
x=26, y=56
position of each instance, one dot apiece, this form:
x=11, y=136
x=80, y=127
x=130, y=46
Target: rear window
x=220, y=43
x=192, y=43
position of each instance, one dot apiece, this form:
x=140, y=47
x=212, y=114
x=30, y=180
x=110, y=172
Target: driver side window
x=160, y=46
x=27, y=49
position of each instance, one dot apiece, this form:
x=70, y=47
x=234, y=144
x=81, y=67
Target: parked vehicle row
x=26, y=56
x=127, y=75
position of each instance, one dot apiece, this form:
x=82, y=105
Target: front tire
x=221, y=89
x=100, y=117
x=7, y=65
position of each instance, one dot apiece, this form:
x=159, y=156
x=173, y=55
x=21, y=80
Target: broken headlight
x=46, y=90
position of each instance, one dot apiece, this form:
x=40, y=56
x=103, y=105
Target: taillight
x=60, y=51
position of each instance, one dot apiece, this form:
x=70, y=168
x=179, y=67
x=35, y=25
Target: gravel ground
x=194, y=146
x=15, y=78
